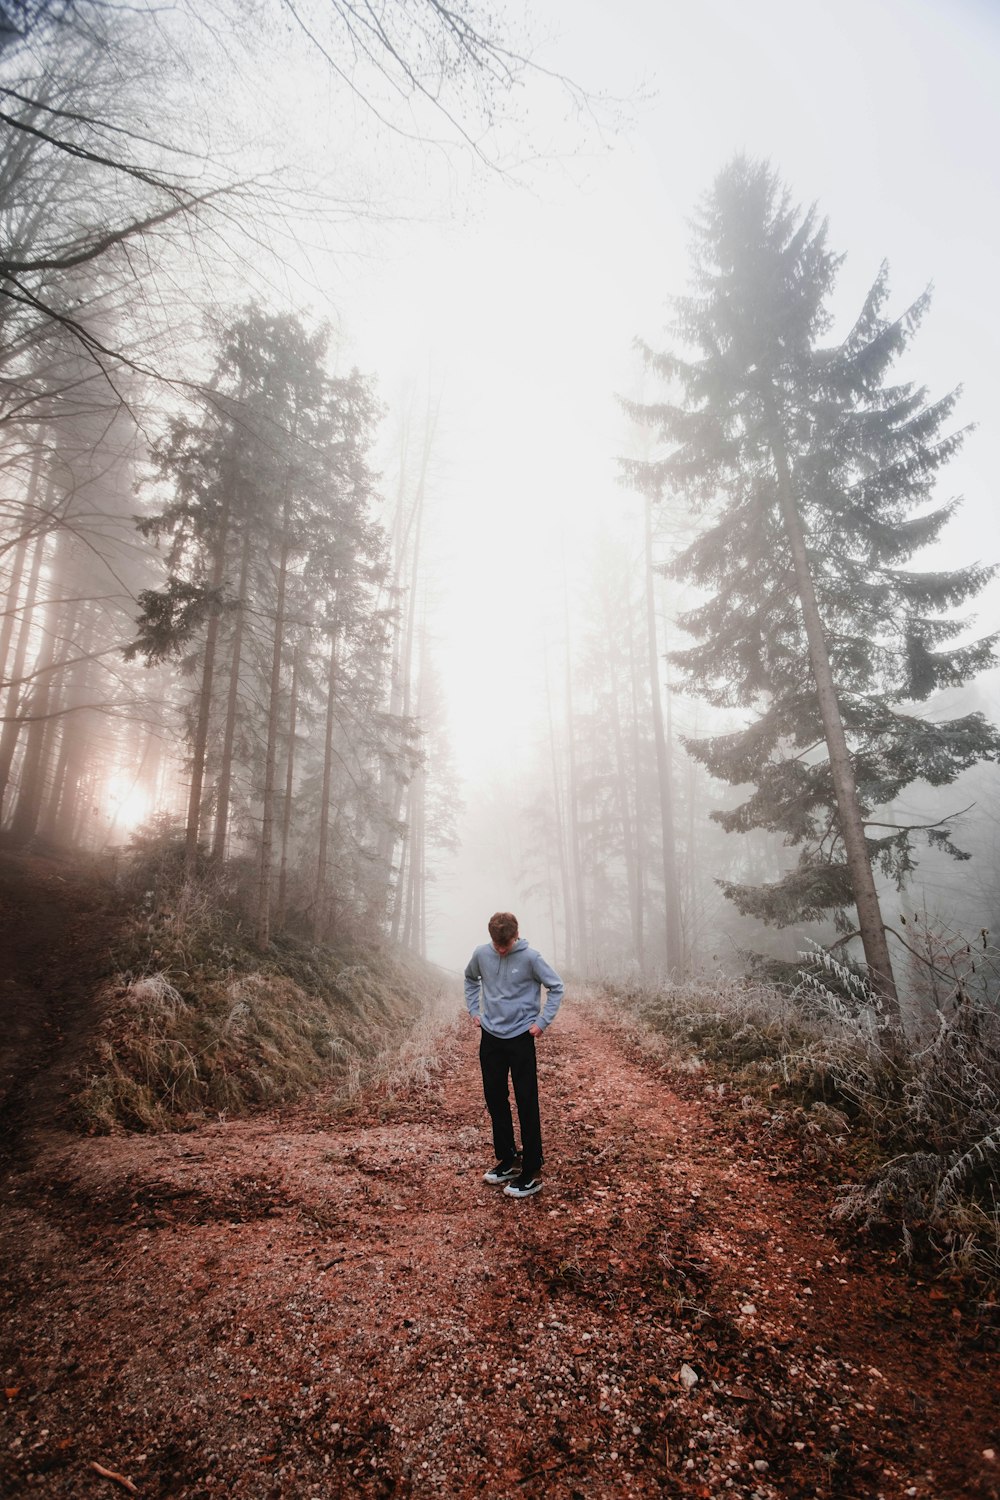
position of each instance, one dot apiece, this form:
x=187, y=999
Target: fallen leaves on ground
x=313, y=1303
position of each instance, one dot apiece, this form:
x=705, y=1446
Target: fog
x=402, y=678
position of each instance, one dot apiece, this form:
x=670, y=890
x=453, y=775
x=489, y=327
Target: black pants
x=513, y=1057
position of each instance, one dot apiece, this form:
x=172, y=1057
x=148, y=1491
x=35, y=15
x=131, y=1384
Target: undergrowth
x=917, y=1119
x=197, y=1023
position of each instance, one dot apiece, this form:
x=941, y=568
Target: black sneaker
x=524, y=1186
x=504, y=1171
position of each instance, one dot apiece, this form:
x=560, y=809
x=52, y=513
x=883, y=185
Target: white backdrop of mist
x=513, y=292
x=522, y=308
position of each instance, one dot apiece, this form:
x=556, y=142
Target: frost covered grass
x=196, y=1024
x=918, y=1122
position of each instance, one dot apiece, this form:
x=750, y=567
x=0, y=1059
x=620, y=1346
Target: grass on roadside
x=196, y=1023
x=922, y=1130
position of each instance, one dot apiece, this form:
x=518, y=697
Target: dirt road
x=320, y=1304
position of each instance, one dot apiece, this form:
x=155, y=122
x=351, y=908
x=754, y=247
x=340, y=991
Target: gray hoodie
x=505, y=991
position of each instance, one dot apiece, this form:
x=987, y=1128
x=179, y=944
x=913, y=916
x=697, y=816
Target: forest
x=396, y=527
x=209, y=514
x=219, y=624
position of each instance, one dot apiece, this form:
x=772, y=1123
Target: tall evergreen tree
x=814, y=469
x=273, y=600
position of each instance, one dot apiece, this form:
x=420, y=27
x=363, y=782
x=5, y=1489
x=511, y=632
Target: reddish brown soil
x=316, y=1303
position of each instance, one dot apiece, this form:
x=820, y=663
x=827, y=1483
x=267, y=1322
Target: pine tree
x=814, y=469
x=276, y=571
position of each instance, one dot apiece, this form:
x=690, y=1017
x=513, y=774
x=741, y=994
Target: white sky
x=523, y=307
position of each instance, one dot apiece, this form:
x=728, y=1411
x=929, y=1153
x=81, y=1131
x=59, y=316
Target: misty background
x=484, y=251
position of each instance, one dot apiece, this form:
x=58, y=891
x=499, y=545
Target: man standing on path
x=503, y=995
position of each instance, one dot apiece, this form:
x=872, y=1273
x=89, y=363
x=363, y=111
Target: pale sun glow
x=127, y=806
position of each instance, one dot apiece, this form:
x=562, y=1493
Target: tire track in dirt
x=324, y=1303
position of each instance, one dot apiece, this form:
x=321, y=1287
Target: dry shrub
x=212, y=1028
x=164, y=1058
x=417, y=1062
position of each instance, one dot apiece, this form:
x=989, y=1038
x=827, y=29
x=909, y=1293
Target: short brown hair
x=503, y=928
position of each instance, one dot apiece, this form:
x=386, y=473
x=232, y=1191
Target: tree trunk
x=39, y=737
x=671, y=904
x=638, y=914
x=407, y=854
x=694, y=925
x=50, y=818
x=852, y=825
x=421, y=858
x=557, y=807
x=205, y=701
x=668, y=737
x=15, y=695
x=225, y=783
x=405, y=683
x=17, y=567
x=415, y=933
x=621, y=778
x=72, y=725
x=422, y=882
x=401, y=658
x=286, y=811
x=402, y=875
x=411, y=923
x=573, y=809
x=323, y=855
x=262, y=932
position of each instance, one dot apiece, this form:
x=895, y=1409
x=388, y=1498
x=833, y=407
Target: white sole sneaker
x=527, y=1191
x=495, y=1178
